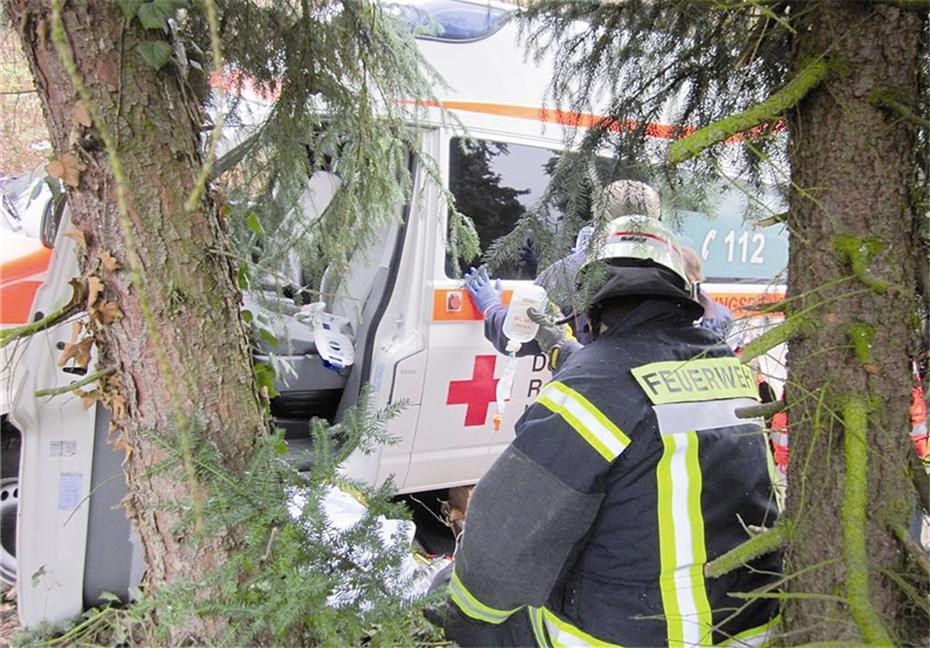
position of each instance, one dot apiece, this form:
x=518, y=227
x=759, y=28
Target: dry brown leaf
x=79, y=352
x=89, y=398
x=117, y=404
x=108, y=261
x=67, y=168
x=80, y=114
x=77, y=236
x=106, y=313
x=94, y=288
x=122, y=444
x=75, y=331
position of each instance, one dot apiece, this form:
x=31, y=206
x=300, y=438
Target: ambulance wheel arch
x=10, y=446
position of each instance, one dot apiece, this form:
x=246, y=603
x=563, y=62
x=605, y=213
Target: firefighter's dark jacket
x=628, y=474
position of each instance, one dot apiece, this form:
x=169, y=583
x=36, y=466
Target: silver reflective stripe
x=678, y=418
x=919, y=430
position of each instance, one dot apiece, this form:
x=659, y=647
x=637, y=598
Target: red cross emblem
x=476, y=393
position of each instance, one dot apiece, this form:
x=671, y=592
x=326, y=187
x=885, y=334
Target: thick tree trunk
x=852, y=168
x=180, y=350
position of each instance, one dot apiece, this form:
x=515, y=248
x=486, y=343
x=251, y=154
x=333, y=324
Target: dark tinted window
x=495, y=184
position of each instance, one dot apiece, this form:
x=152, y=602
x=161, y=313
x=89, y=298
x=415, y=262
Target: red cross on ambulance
x=476, y=393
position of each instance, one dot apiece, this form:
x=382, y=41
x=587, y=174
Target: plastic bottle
x=518, y=328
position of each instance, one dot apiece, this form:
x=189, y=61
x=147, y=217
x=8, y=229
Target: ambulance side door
x=494, y=181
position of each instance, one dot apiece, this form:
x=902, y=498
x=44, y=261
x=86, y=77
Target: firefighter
x=628, y=474
x=623, y=197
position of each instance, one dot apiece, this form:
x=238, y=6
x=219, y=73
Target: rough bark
x=852, y=168
x=202, y=376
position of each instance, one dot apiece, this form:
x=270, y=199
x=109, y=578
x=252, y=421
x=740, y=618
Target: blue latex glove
x=479, y=285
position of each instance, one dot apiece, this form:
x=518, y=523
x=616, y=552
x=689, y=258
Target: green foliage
x=860, y=337
x=858, y=253
x=464, y=244
x=155, y=53
x=635, y=59
x=295, y=578
x=854, y=511
x=760, y=115
x=154, y=14
x=337, y=75
x=763, y=542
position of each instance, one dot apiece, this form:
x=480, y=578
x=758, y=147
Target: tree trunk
x=852, y=228
x=183, y=370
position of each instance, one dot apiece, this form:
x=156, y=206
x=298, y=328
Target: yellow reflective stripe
x=471, y=606
x=689, y=381
x=564, y=634
x=588, y=421
x=536, y=622
x=754, y=636
x=682, y=550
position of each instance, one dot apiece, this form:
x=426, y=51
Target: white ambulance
x=411, y=331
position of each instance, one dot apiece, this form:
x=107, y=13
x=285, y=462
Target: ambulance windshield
x=449, y=20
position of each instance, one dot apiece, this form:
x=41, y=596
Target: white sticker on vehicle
x=62, y=448
x=69, y=490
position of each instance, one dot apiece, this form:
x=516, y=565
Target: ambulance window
x=449, y=20
x=495, y=184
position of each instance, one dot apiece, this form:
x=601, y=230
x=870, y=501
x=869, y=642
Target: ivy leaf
x=264, y=376
x=154, y=53
x=129, y=7
x=251, y=220
x=155, y=13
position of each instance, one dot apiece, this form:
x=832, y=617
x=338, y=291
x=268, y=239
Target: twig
x=758, y=545
x=19, y=332
x=762, y=113
x=193, y=201
x=760, y=411
x=912, y=548
x=89, y=378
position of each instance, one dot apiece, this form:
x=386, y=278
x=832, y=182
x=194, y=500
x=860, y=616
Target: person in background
x=717, y=317
x=628, y=474
x=623, y=198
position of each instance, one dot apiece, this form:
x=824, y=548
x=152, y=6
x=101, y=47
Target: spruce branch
x=50, y=320
x=763, y=113
x=854, y=519
x=858, y=253
x=792, y=326
x=89, y=378
x=760, y=544
x=193, y=201
x=884, y=98
x=760, y=411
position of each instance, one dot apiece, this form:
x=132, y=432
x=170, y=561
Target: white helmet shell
x=641, y=238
